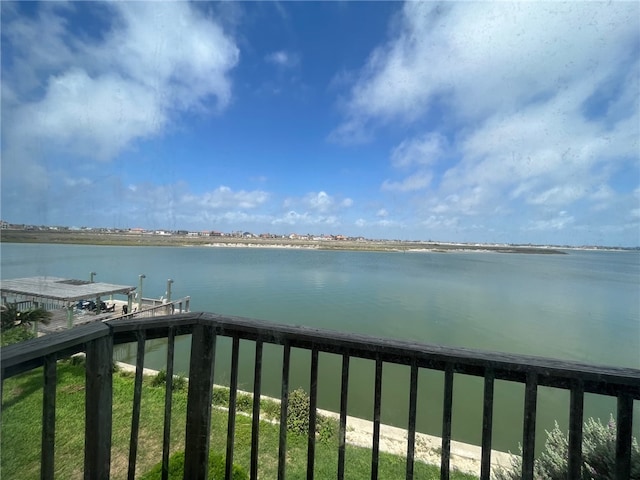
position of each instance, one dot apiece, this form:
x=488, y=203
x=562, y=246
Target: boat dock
x=75, y=302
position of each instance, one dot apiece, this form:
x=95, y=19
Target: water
x=584, y=306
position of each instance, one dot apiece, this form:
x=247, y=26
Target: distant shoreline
x=138, y=239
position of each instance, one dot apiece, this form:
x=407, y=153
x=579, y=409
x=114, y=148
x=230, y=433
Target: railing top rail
x=26, y=355
x=551, y=372
x=470, y=361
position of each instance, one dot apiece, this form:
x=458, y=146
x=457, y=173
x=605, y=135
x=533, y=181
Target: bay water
x=582, y=306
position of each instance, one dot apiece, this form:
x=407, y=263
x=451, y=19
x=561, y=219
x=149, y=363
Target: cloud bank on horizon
x=489, y=122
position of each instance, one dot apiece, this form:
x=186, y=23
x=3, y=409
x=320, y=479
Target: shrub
x=270, y=408
x=326, y=428
x=176, y=468
x=15, y=335
x=160, y=379
x=79, y=360
x=179, y=382
x=298, y=412
x=221, y=396
x=16, y=326
x=598, y=455
x=298, y=417
x=244, y=403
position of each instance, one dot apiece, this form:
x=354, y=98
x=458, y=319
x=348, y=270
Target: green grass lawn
x=21, y=434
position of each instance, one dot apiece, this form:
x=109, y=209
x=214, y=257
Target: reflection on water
x=583, y=306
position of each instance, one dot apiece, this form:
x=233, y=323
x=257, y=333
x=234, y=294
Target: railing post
x=48, y=417
x=447, y=410
x=377, y=403
x=623, y=437
x=574, y=462
x=168, y=402
x=203, y=349
x=98, y=401
x=137, y=398
x=342, y=433
x=529, y=427
x=411, y=435
x=284, y=406
x=487, y=425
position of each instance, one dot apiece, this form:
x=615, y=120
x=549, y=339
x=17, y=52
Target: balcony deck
x=98, y=339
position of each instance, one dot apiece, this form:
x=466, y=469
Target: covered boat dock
x=55, y=293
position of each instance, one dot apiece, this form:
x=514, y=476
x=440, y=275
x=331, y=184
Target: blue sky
x=481, y=122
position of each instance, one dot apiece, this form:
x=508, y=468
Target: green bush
x=176, y=468
x=79, y=360
x=326, y=428
x=16, y=335
x=244, y=403
x=598, y=455
x=298, y=417
x=270, y=409
x=221, y=396
x=298, y=412
x=160, y=379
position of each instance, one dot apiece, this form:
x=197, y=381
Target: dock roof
x=62, y=289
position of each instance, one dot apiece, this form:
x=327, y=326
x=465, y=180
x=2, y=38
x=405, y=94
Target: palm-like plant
x=10, y=317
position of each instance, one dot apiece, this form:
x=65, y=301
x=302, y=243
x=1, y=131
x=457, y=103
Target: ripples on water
x=583, y=306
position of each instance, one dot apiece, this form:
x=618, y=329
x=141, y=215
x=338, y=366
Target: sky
x=509, y=122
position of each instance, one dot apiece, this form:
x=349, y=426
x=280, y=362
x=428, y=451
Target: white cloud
x=526, y=109
x=383, y=223
x=420, y=151
x=283, y=58
x=558, y=195
x=416, y=181
x=104, y=93
x=224, y=197
x=484, y=58
x=320, y=202
x=441, y=222
x=305, y=219
x=558, y=222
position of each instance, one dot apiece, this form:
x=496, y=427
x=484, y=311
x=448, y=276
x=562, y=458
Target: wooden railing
x=97, y=341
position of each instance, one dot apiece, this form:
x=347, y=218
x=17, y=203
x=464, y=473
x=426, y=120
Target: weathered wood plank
x=168, y=402
x=447, y=410
x=487, y=426
x=313, y=404
x=623, y=440
x=411, y=435
x=255, y=421
x=529, y=427
x=48, y=417
x=233, y=396
x=30, y=354
x=284, y=405
x=342, y=432
x=201, y=367
x=98, y=402
x=551, y=372
x=137, y=399
x=377, y=404
x=575, y=430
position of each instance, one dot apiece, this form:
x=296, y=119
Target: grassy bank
x=137, y=239
x=21, y=430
